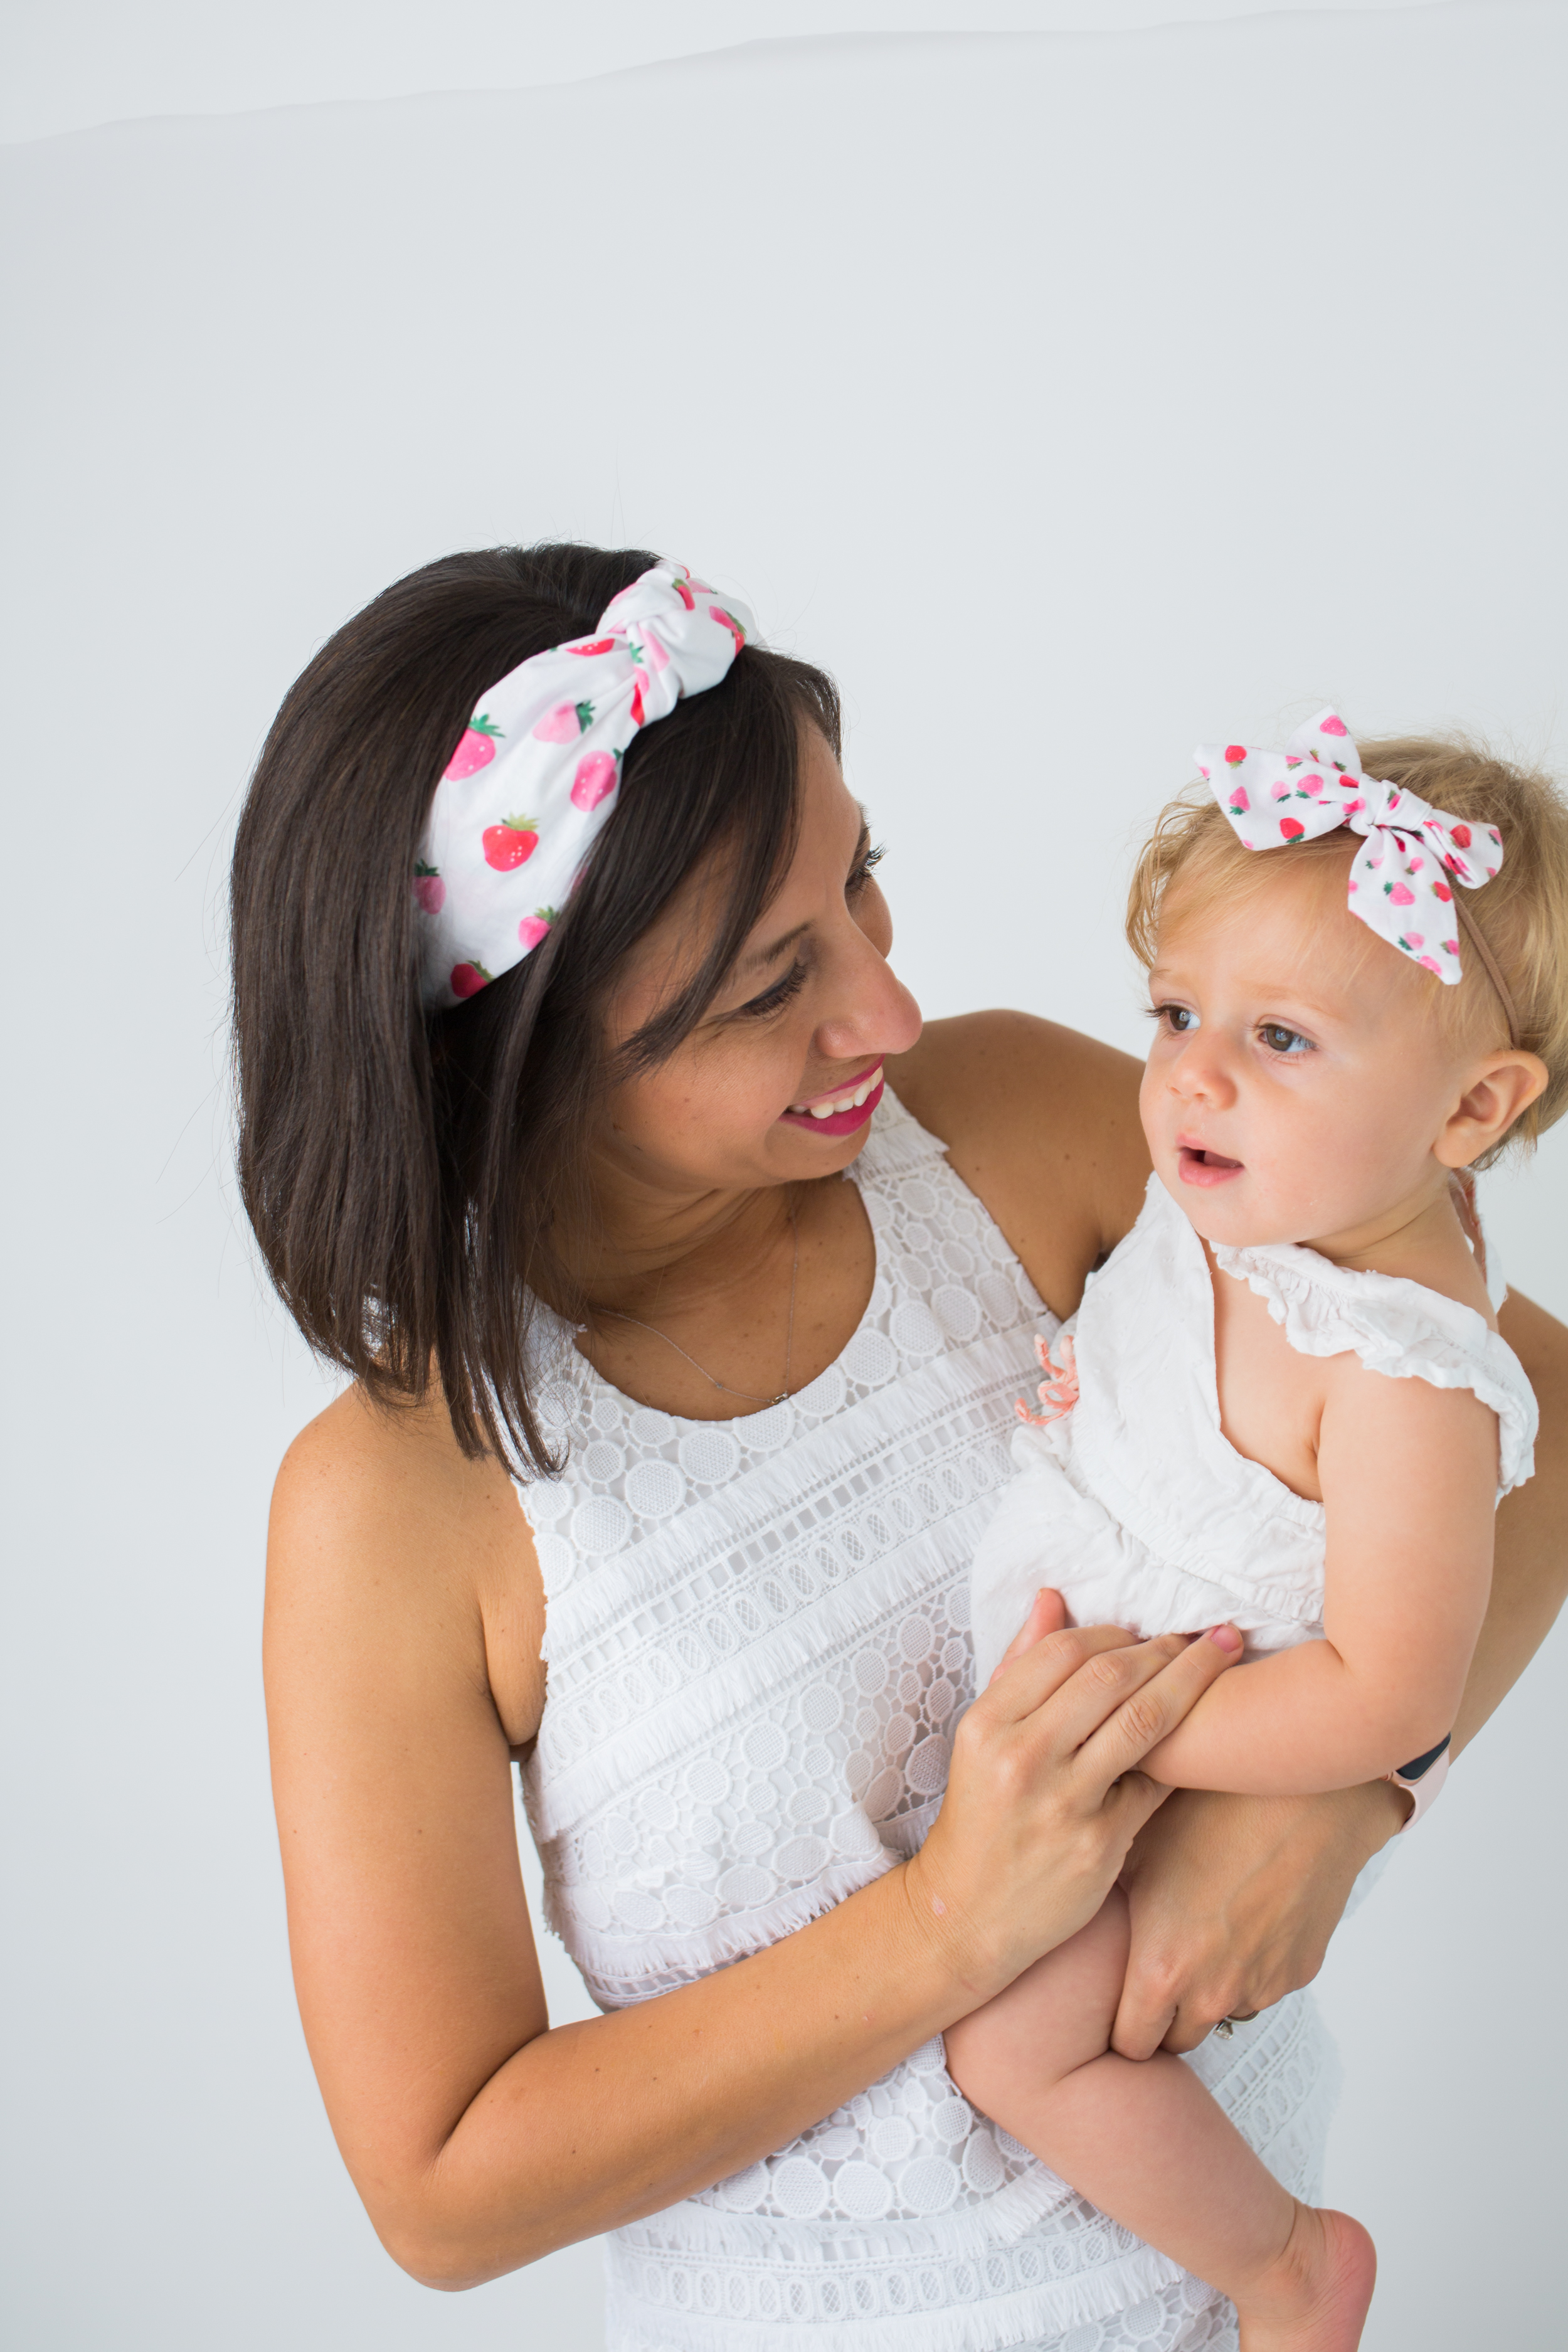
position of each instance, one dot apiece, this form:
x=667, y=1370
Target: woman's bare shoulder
x=383, y=1526
x=1042, y=1123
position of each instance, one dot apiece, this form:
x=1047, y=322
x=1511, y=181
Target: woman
x=581, y=1209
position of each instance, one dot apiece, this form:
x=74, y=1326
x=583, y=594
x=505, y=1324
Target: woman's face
x=779, y=1080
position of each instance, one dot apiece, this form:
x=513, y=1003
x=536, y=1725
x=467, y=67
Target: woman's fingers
x=1164, y=1688
x=1030, y=1677
x=1048, y=1614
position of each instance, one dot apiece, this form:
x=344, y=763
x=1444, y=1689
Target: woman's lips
x=841, y=1112
x=1196, y=1165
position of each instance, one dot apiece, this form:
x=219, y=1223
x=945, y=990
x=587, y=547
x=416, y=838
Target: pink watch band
x=1424, y=1779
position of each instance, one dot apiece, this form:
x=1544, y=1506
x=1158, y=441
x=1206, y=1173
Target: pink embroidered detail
x=1058, y=1391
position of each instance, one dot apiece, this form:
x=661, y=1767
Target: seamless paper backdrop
x=1074, y=398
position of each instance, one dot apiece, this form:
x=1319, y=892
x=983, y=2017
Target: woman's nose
x=874, y=1013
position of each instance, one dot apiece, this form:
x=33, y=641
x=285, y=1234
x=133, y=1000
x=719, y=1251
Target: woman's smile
x=844, y=1109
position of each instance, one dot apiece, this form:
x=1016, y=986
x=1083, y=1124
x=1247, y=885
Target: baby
x=1285, y=1408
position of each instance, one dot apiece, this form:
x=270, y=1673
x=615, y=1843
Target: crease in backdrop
x=70, y=64
x=1071, y=395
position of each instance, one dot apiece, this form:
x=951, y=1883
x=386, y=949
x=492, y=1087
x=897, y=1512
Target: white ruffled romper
x=757, y=1646
x=1137, y=1506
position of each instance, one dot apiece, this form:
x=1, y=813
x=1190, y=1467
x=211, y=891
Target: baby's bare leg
x=1143, y=2140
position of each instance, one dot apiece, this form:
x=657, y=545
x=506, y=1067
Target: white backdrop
x=1071, y=395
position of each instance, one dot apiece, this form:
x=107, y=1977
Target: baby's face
x=1298, y=1083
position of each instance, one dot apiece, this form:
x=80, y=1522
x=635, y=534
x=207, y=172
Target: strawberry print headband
x=1399, y=882
x=534, y=776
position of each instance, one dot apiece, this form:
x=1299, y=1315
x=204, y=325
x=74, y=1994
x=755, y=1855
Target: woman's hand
x=1234, y=1900
x=1045, y=1797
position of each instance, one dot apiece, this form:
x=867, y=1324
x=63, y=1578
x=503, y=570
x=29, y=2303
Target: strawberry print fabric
x=536, y=772
x=1401, y=882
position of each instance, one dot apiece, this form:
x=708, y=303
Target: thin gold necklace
x=723, y=1386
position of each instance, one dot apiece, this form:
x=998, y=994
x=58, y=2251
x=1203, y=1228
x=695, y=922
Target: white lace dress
x=1135, y=1504
x=757, y=1646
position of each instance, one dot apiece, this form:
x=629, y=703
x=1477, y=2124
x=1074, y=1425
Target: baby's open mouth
x=1198, y=1166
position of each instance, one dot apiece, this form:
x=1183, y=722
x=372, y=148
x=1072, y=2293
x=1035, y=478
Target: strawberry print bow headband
x=534, y=777
x=1400, y=881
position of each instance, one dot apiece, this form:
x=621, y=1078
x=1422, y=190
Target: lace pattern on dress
x=758, y=1651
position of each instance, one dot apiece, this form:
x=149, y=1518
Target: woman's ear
x=1499, y=1092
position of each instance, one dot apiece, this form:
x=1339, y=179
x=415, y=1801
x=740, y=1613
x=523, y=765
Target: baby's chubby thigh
x=1055, y=2017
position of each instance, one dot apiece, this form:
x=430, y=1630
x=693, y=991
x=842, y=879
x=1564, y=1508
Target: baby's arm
x=1409, y=1480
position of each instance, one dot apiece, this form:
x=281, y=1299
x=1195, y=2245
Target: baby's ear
x=1500, y=1091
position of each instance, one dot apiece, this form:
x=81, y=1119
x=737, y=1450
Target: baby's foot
x=1314, y=2298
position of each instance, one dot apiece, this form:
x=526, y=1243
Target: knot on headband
x=535, y=774
x=1401, y=879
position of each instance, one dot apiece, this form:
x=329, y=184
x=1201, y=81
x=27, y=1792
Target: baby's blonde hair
x=1522, y=913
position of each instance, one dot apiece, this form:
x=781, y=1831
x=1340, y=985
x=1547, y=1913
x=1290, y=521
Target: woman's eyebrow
x=760, y=956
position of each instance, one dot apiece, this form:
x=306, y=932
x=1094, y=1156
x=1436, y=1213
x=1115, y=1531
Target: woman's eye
x=1281, y=1040
x=860, y=873
x=774, y=999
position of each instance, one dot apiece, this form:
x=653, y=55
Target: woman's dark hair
x=406, y=1175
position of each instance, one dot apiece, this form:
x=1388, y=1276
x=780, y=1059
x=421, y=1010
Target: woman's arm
x=402, y=1664
x=1529, y=1579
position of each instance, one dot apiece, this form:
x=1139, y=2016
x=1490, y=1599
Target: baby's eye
x=1179, y=1019
x=1281, y=1040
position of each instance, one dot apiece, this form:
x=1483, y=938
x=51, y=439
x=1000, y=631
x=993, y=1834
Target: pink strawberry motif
x=685, y=594
x=476, y=750
x=728, y=621
x=596, y=778
x=1399, y=894
x=1460, y=834
x=564, y=723
x=428, y=887
x=592, y=646
x=467, y=978
x=1411, y=940
x=1292, y=758
x=510, y=843
x=1280, y=792
x=536, y=927
x=1239, y=804
x=1332, y=726
x=1442, y=890
x=1203, y=772
x=1235, y=754
x=638, y=714
x=1451, y=947
x=1289, y=829
x=1431, y=964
